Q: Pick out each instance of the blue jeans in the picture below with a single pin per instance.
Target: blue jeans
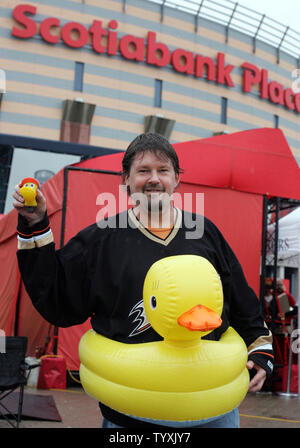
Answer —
(229, 420)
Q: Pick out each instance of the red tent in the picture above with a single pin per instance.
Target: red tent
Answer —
(256, 161)
(232, 171)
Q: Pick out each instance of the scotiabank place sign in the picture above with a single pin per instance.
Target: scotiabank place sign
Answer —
(152, 52)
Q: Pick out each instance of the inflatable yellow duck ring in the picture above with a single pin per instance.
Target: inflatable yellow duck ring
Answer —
(182, 378)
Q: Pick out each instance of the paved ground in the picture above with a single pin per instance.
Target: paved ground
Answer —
(265, 410)
(78, 410)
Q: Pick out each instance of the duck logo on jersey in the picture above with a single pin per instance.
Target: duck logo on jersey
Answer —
(142, 322)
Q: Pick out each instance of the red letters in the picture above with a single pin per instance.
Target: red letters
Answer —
(179, 56)
(297, 102)
(83, 35)
(276, 93)
(29, 24)
(112, 41)
(45, 30)
(251, 76)
(138, 54)
(288, 95)
(273, 91)
(97, 33)
(154, 47)
(264, 91)
(223, 73)
(75, 35)
(210, 70)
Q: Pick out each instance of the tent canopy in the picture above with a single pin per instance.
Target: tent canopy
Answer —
(256, 161)
(288, 238)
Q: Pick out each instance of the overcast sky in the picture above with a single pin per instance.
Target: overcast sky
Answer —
(286, 12)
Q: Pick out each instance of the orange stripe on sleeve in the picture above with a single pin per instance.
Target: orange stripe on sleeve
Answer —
(262, 353)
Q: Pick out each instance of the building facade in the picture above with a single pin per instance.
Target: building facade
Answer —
(101, 72)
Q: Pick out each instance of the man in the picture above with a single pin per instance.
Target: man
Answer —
(100, 272)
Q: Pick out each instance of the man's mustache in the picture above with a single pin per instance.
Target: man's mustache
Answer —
(150, 187)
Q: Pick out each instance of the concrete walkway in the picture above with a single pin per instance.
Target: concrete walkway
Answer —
(78, 410)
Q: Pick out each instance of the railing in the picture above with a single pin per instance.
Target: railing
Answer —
(235, 16)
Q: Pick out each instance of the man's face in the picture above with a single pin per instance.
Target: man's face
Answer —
(153, 176)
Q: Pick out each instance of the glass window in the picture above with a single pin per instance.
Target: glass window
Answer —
(158, 93)
(78, 78)
(224, 103)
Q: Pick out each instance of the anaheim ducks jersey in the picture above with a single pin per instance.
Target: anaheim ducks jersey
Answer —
(99, 274)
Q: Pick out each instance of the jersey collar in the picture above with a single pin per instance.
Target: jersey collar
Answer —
(151, 236)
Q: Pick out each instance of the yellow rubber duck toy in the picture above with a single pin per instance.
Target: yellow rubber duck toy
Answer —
(28, 188)
(181, 378)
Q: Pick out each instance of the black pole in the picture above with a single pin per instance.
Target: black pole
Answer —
(17, 312)
(62, 237)
(64, 207)
(277, 205)
(264, 248)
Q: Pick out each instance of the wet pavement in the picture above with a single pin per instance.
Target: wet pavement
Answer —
(267, 410)
(78, 410)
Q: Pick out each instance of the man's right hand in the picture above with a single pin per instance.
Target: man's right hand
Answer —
(39, 212)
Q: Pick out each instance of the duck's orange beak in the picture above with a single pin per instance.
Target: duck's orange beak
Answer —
(200, 318)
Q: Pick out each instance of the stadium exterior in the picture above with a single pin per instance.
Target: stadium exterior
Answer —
(101, 72)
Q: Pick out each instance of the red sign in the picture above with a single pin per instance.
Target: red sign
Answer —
(76, 35)
(273, 91)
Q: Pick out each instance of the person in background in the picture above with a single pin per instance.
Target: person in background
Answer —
(272, 309)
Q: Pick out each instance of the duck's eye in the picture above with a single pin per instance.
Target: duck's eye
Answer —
(153, 302)
(32, 185)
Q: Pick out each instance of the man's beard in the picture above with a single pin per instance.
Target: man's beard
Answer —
(153, 208)
(155, 204)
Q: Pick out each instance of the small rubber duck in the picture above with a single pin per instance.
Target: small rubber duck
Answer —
(28, 188)
(182, 378)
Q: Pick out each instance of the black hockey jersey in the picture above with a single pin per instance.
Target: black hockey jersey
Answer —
(100, 274)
